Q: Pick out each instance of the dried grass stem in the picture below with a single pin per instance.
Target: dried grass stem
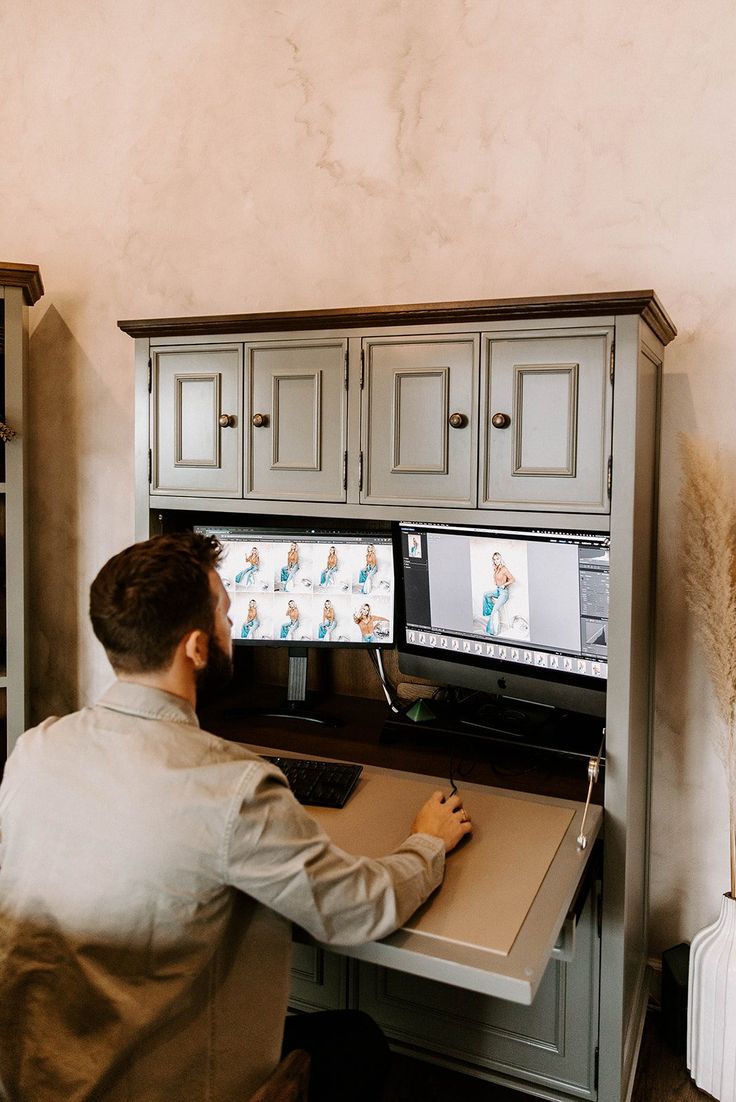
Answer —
(709, 549)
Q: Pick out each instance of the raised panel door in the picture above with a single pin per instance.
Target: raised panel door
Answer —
(296, 420)
(546, 422)
(197, 421)
(318, 978)
(419, 424)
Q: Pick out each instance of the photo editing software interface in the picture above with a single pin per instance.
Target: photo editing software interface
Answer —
(308, 587)
(519, 599)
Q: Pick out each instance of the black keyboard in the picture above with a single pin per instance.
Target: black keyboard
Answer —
(320, 783)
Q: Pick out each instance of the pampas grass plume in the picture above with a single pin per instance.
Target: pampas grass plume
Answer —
(709, 548)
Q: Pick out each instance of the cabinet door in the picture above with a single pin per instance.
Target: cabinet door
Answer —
(546, 422)
(196, 421)
(419, 424)
(318, 978)
(549, 1044)
(296, 420)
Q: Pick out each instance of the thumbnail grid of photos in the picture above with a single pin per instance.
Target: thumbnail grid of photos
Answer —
(295, 591)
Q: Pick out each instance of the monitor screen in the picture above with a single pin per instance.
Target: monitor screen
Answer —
(307, 587)
(517, 610)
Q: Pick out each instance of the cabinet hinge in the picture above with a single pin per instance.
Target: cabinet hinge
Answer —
(360, 471)
(362, 368)
(150, 375)
(611, 362)
(609, 477)
(345, 470)
(596, 1061)
(346, 369)
(150, 466)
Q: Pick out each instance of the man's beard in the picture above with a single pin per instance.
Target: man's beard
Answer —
(216, 675)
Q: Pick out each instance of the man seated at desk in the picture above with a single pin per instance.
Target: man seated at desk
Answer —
(150, 871)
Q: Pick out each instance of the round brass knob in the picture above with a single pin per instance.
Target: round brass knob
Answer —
(226, 420)
(457, 420)
(259, 420)
(500, 420)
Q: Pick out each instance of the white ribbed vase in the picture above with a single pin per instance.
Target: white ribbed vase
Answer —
(711, 1011)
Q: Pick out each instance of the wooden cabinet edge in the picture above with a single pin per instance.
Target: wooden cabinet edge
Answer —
(644, 303)
(26, 276)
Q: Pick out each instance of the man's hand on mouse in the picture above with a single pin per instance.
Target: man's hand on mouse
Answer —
(445, 818)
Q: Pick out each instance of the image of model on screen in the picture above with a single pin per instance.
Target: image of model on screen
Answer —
(368, 624)
(369, 571)
(494, 599)
(291, 623)
(251, 623)
(328, 624)
(327, 577)
(288, 572)
(247, 576)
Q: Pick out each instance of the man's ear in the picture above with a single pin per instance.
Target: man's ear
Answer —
(196, 648)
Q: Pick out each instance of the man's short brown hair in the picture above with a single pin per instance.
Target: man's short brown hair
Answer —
(149, 596)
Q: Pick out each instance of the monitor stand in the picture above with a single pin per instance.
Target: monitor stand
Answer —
(296, 690)
(296, 695)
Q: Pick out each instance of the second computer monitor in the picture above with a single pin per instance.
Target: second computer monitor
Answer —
(515, 611)
(308, 587)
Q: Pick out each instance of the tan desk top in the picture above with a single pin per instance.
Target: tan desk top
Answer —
(492, 925)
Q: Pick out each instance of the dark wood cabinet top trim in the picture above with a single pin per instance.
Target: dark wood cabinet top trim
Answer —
(26, 276)
(479, 312)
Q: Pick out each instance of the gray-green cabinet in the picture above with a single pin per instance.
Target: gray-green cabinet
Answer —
(541, 412)
(196, 437)
(551, 1044)
(319, 980)
(546, 420)
(295, 420)
(444, 421)
(264, 420)
(419, 421)
(20, 287)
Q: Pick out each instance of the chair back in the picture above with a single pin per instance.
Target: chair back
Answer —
(289, 1082)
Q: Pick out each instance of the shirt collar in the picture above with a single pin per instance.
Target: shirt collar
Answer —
(135, 699)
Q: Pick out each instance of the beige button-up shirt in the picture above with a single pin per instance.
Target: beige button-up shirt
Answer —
(149, 874)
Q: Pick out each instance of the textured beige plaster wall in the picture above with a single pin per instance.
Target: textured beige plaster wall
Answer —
(204, 156)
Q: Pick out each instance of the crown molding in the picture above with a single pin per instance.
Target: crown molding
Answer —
(482, 311)
(26, 276)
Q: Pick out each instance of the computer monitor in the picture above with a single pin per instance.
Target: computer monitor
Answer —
(303, 587)
(515, 612)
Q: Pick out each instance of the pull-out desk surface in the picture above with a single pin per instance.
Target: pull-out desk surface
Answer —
(493, 924)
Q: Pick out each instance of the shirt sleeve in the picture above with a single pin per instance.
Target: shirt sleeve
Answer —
(278, 854)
